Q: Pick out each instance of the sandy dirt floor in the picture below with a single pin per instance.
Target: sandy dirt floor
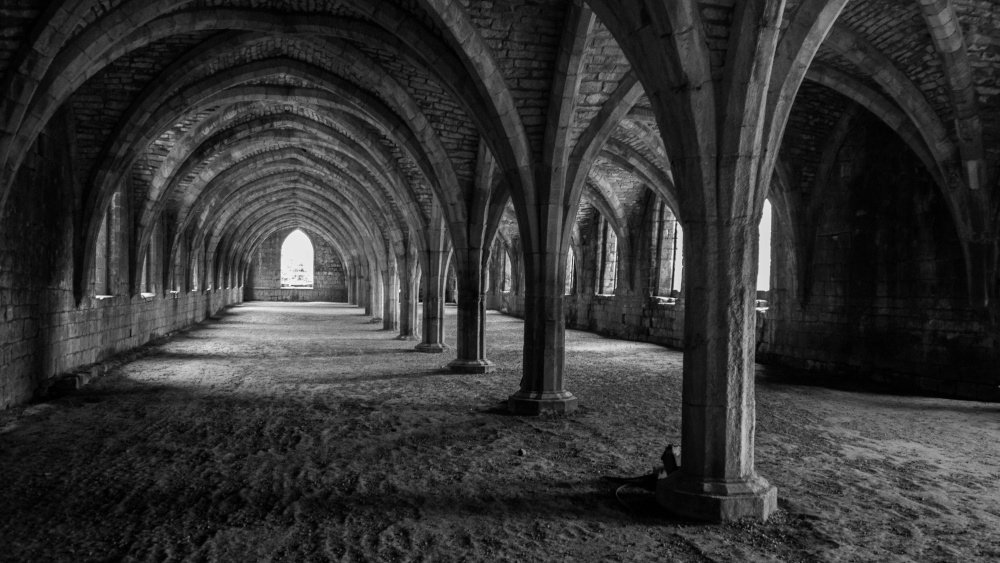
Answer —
(302, 432)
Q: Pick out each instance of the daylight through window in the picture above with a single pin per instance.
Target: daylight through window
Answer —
(297, 261)
(764, 253)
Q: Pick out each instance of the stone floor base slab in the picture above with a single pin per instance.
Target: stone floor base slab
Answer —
(431, 348)
(407, 337)
(471, 366)
(754, 498)
(533, 404)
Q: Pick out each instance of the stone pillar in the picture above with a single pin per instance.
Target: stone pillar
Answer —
(364, 289)
(470, 340)
(493, 295)
(390, 312)
(542, 385)
(717, 480)
(408, 299)
(433, 297)
(728, 116)
(375, 294)
(451, 286)
(352, 285)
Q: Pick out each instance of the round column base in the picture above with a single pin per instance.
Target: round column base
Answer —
(717, 501)
(472, 366)
(435, 348)
(534, 404)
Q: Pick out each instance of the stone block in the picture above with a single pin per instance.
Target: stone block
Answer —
(753, 498)
(534, 404)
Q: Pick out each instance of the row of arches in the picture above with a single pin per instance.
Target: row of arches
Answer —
(407, 134)
(666, 255)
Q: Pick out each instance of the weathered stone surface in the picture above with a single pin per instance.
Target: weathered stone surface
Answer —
(753, 498)
(534, 404)
(599, 165)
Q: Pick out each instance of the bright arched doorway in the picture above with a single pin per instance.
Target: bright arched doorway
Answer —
(297, 261)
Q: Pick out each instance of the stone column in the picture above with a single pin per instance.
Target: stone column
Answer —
(390, 312)
(451, 287)
(717, 480)
(542, 385)
(375, 294)
(352, 285)
(433, 289)
(363, 287)
(470, 343)
(496, 276)
(727, 116)
(408, 299)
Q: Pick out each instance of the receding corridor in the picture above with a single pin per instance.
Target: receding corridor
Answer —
(305, 432)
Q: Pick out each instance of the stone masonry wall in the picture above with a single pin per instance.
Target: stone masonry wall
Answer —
(644, 319)
(43, 331)
(885, 300)
(883, 297)
(632, 317)
(650, 319)
(264, 281)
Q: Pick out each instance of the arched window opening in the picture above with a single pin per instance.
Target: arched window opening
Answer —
(144, 284)
(505, 274)
(570, 271)
(667, 252)
(678, 275)
(608, 279)
(195, 270)
(176, 275)
(764, 254)
(419, 277)
(144, 278)
(101, 259)
(297, 261)
(106, 253)
(152, 265)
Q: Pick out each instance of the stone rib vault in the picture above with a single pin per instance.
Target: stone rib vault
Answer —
(592, 164)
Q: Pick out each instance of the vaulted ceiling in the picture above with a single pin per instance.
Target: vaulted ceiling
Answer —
(373, 122)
